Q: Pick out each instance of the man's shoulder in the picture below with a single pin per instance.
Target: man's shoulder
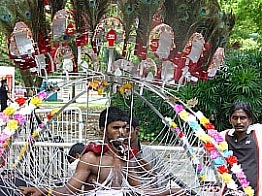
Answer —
(96, 147)
(226, 132)
(89, 155)
(257, 128)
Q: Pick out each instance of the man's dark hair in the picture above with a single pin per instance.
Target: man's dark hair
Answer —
(112, 114)
(244, 106)
(134, 121)
(76, 148)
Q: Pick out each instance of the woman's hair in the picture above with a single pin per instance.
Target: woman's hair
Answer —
(112, 114)
(4, 81)
(244, 106)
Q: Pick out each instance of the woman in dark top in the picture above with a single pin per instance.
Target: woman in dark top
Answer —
(4, 95)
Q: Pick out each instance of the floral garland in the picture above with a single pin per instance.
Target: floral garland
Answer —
(97, 85)
(100, 87)
(199, 169)
(217, 147)
(125, 89)
(13, 117)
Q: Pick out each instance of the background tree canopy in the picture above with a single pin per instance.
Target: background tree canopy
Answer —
(238, 79)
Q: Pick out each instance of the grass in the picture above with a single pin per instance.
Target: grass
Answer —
(82, 106)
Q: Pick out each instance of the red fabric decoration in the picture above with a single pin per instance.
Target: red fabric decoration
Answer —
(140, 50)
(133, 152)
(111, 37)
(124, 50)
(82, 40)
(179, 62)
(43, 44)
(70, 30)
(96, 148)
(154, 44)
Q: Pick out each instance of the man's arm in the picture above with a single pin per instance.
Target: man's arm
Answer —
(74, 184)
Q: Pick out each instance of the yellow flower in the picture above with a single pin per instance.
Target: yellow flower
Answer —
(184, 115)
(9, 111)
(94, 84)
(54, 111)
(22, 151)
(14, 165)
(104, 83)
(5, 144)
(204, 137)
(35, 134)
(203, 177)
(203, 120)
(223, 146)
(12, 124)
(36, 101)
(128, 86)
(122, 90)
(249, 191)
(173, 124)
(99, 91)
(226, 177)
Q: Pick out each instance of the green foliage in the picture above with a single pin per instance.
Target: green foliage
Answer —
(248, 22)
(238, 80)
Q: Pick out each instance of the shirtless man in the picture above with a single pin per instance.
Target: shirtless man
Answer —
(105, 167)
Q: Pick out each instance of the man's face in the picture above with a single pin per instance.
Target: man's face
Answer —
(240, 120)
(116, 130)
(133, 134)
(117, 134)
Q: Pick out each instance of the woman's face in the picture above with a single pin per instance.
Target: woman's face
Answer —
(240, 120)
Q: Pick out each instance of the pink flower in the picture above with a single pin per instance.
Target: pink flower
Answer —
(219, 138)
(215, 135)
(4, 117)
(212, 132)
(214, 154)
(41, 125)
(3, 138)
(30, 139)
(178, 108)
(199, 168)
(42, 95)
(240, 175)
(244, 182)
(1, 151)
(20, 118)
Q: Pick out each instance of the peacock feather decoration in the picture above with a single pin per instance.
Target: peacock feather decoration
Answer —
(128, 15)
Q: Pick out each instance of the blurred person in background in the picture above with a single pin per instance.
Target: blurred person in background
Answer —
(4, 94)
